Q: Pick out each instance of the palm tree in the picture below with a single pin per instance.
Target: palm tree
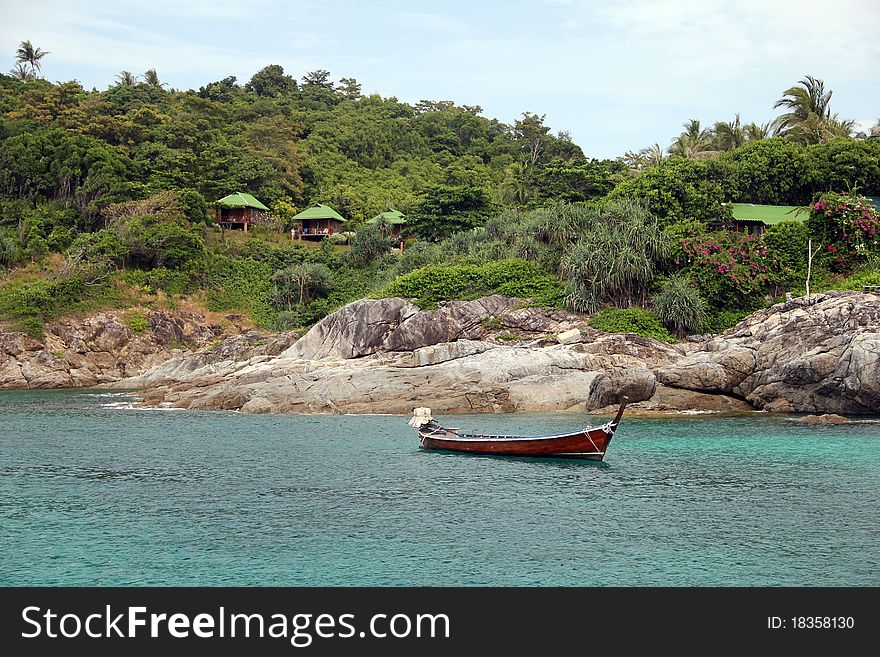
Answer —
(22, 72)
(654, 154)
(694, 142)
(517, 188)
(809, 119)
(875, 131)
(28, 54)
(126, 79)
(151, 78)
(755, 132)
(646, 157)
(730, 134)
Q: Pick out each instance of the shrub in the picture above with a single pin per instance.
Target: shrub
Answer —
(845, 222)
(631, 320)
(787, 244)
(515, 278)
(680, 306)
(721, 320)
(857, 281)
(367, 245)
(615, 259)
(137, 321)
(731, 270)
(167, 280)
(33, 326)
(299, 284)
(44, 299)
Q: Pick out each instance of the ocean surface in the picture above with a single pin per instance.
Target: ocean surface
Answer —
(93, 492)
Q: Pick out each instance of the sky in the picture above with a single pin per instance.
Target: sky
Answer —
(616, 75)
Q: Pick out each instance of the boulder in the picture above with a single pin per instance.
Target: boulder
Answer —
(827, 418)
(816, 355)
(452, 320)
(358, 329)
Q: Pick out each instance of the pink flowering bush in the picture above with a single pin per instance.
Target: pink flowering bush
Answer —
(845, 225)
(731, 270)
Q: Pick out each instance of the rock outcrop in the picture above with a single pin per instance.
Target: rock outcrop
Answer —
(98, 349)
(816, 356)
(386, 355)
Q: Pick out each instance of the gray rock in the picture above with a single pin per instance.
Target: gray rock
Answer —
(452, 320)
(821, 355)
(358, 329)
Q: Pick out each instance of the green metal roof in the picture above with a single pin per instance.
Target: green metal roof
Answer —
(768, 214)
(393, 217)
(320, 211)
(241, 200)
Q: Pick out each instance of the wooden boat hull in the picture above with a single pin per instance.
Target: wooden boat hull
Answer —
(590, 444)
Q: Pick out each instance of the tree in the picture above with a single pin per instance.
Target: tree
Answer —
(300, 283)
(318, 78)
(679, 189)
(809, 119)
(532, 136)
(755, 132)
(680, 306)
(615, 259)
(579, 180)
(730, 134)
(270, 82)
(151, 79)
(518, 186)
(368, 244)
(770, 171)
(126, 79)
(448, 209)
(350, 88)
(22, 72)
(28, 54)
(695, 142)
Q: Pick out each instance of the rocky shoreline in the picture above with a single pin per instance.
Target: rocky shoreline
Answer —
(489, 355)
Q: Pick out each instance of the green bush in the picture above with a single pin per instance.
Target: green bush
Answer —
(680, 306)
(239, 284)
(44, 299)
(857, 281)
(137, 321)
(33, 326)
(367, 245)
(721, 320)
(167, 280)
(514, 278)
(631, 320)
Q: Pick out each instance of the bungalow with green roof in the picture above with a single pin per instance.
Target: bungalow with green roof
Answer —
(755, 219)
(238, 210)
(319, 221)
(392, 220)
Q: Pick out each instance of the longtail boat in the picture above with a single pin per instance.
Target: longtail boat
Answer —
(590, 443)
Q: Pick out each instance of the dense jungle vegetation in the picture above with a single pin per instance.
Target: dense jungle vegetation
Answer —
(104, 199)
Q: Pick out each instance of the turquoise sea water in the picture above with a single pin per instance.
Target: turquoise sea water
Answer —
(94, 494)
